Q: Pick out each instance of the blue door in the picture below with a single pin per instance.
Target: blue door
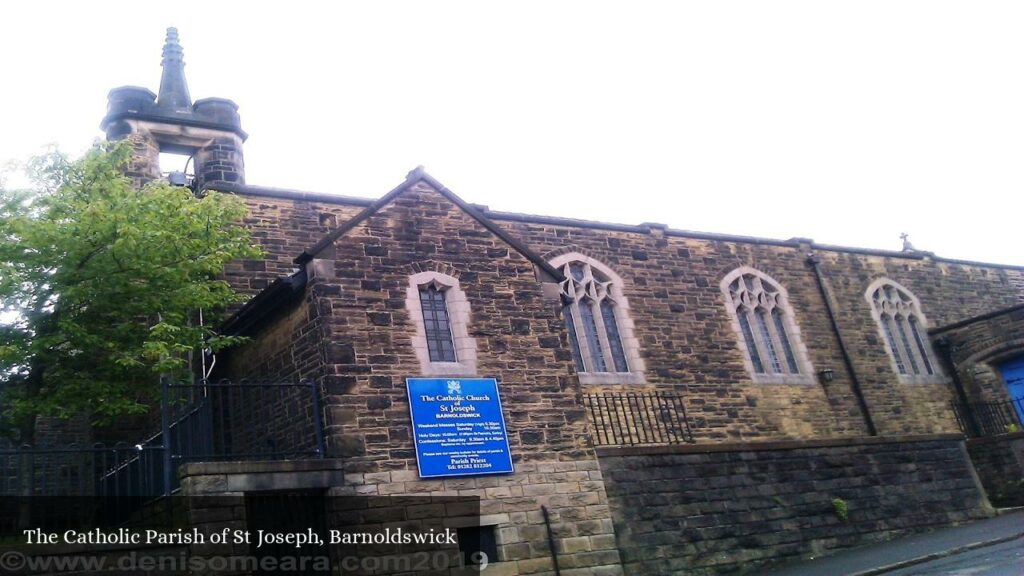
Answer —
(1013, 374)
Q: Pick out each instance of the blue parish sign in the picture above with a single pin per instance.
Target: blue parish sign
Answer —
(458, 427)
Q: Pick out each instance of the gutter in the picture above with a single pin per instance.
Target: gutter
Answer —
(261, 306)
(815, 263)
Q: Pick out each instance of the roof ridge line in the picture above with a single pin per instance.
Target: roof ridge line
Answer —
(416, 175)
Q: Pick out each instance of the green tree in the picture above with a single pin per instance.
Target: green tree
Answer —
(100, 285)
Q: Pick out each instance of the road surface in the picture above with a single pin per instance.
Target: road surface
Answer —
(1006, 559)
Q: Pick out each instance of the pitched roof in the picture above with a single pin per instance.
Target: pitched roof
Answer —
(420, 175)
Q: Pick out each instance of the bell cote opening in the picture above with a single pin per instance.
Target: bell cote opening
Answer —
(198, 144)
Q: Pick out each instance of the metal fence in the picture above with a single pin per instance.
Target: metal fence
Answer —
(100, 484)
(202, 422)
(990, 418)
(637, 418)
(227, 420)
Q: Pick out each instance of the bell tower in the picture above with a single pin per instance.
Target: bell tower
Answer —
(209, 131)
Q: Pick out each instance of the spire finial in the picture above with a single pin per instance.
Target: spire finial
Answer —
(173, 89)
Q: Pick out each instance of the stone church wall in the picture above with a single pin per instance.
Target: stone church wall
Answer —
(355, 314)
(289, 347)
(283, 224)
(250, 409)
(361, 284)
(673, 286)
(672, 281)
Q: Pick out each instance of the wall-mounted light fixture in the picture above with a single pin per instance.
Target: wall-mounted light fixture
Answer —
(827, 374)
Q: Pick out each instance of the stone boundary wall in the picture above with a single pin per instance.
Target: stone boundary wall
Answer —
(999, 461)
(572, 492)
(733, 508)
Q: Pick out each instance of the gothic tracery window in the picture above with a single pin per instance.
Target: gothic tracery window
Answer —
(903, 329)
(768, 334)
(600, 333)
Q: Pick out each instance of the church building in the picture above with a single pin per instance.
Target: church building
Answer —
(672, 402)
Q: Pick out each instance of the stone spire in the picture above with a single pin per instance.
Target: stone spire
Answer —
(173, 89)
(209, 129)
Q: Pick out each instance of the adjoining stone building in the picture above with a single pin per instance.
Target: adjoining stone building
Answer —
(808, 374)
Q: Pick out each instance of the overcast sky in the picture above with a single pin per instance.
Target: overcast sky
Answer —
(845, 122)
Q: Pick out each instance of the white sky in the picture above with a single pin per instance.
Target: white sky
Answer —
(845, 122)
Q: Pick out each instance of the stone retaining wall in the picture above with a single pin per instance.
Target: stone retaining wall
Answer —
(999, 461)
(728, 508)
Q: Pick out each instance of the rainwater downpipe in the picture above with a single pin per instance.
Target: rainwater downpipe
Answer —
(551, 540)
(815, 264)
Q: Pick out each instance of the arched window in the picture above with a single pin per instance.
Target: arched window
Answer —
(767, 332)
(597, 320)
(440, 312)
(904, 330)
(436, 323)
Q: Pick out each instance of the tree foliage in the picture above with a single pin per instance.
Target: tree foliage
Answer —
(100, 285)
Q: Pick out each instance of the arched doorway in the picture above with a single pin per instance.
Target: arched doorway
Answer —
(1013, 374)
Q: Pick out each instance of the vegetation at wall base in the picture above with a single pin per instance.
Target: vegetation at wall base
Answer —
(841, 509)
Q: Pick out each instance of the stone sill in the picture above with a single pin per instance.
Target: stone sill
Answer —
(760, 446)
(258, 467)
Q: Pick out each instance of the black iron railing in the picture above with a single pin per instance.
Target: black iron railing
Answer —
(202, 422)
(990, 418)
(635, 418)
(51, 486)
(96, 470)
(226, 420)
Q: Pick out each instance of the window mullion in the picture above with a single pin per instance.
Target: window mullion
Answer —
(896, 346)
(610, 315)
(747, 338)
(777, 340)
(904, 328)
(574, 340)
(921, 346)
(581, 336)
(762, 352)
(590, 332)
(602, 336)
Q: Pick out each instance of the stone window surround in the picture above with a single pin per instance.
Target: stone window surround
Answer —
(630, 344)
(938, 377)
(796, 341)
(458, 318)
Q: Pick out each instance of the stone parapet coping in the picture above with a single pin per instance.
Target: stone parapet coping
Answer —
(1010, 437)
(258, 467)
(771, 445)
(645, 228)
